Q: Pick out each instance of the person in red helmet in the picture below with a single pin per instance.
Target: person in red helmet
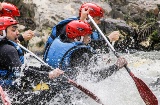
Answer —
(11, 58)
(8, 9)
(97, 13)
(78, 31)
(74, 51)
(87, 8)
(92, 9)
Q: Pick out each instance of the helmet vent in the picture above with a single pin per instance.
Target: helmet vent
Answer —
(80, 29)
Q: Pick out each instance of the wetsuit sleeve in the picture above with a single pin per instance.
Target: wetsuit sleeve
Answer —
(10, 57)
(20, 38)
(106, 72)
(37, 72)
(23, 42)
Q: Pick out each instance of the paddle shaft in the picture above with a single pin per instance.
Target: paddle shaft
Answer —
(146, 94)
(25, 49)
(86, 91)
(80, 87)
(108, 43)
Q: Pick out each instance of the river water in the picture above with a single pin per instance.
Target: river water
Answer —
(120, 89)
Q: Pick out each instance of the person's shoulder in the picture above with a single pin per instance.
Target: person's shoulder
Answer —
(7, 48)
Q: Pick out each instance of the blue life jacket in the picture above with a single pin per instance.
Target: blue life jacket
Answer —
(19, 50)
(57, 28)
(95, 35)
(6, 73)
(59, 54)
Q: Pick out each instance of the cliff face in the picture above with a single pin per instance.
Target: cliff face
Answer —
(140, 16)
(27, 13)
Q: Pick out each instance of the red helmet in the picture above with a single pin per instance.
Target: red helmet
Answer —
(9, 10)
(78, 28)
(6, 21)
(95, 9)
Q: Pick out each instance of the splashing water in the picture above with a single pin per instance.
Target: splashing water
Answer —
(118, 89)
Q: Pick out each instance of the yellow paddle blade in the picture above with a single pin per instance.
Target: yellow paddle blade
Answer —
(41, 86)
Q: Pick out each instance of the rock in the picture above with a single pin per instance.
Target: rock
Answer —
(131, 17)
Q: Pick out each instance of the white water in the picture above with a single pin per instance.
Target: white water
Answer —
(120, 89)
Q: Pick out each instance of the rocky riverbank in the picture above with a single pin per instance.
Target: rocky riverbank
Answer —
(137, 20)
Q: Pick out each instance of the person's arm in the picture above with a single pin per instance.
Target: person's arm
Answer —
(113, 36)
(44, 73)
(82, 60)
(106, 72)
(27, 35)
(11, 61)
(20, 38)
(84, 14)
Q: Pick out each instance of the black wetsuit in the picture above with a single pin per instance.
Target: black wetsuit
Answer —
(8, 56)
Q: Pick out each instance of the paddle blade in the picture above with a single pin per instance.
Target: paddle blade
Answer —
(146, 94)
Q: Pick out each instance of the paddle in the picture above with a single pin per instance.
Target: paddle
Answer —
(80, 87)
(4, 98)
(146, 94)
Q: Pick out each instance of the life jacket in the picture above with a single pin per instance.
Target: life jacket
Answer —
(6, 73)
(59, 54)
(96, 35)
(19, 50)
(56, 30)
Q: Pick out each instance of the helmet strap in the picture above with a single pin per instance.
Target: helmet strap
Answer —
(4, 33)
(75, 39)
(81, 39)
